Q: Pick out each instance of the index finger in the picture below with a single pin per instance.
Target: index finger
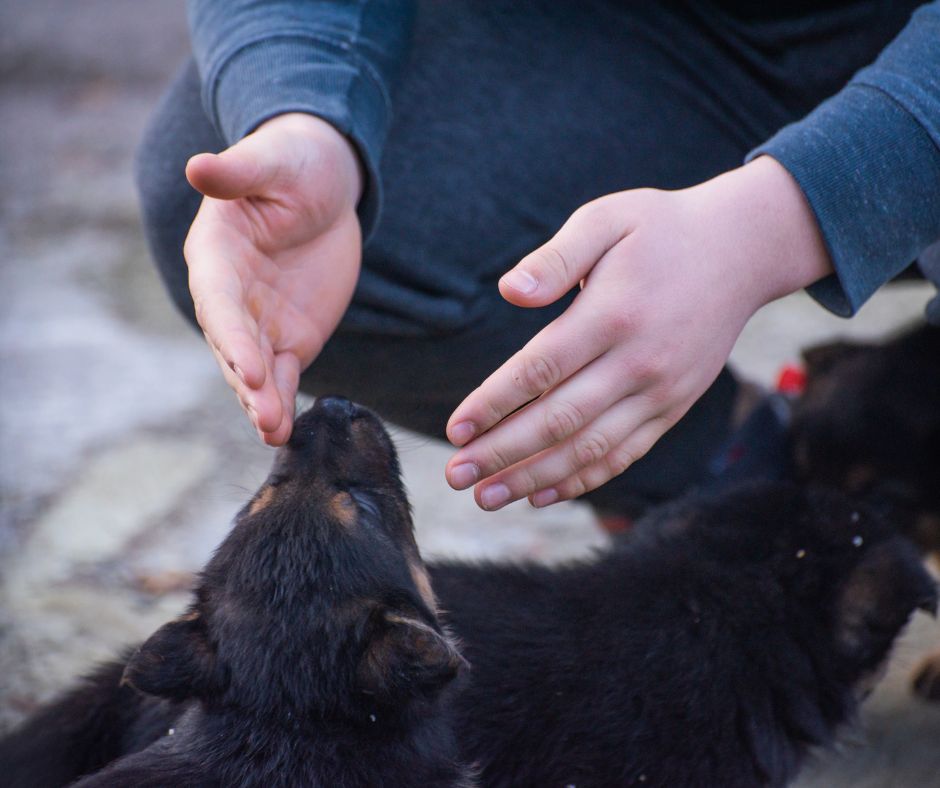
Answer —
(564, 346)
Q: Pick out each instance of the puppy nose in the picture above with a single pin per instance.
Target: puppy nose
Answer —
(336, 409)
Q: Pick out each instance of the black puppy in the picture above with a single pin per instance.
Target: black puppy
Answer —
(310, 656)
(869, 423)
(710, 649)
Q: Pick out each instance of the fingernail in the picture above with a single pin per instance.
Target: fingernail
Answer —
(238, 371)
(519, 280)
(495, 496)
(544, 497)
(462, 476)
(461, 432)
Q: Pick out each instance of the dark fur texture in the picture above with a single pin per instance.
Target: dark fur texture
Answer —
(711, 648)
(869, 424)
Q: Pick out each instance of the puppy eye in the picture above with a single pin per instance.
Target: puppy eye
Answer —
(365, 503)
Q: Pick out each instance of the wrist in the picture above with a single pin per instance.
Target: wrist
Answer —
(776, 237)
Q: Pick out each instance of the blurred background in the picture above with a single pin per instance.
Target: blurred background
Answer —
(123, 455)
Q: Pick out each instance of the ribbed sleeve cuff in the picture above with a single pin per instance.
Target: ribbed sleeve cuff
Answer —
(871, 174)
(291, 73)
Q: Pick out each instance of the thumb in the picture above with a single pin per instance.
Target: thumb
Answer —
(553, 269)
(236, 172)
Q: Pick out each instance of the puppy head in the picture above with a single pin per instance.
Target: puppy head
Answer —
(869, 423)
(317, 605)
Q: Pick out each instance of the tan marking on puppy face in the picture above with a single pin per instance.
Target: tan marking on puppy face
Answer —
(190, 616)
(423, 584)
(262, 499)
(343, 508)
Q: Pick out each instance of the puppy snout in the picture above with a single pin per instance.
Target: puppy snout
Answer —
(328, 416)
(338, 438)
(336, 409)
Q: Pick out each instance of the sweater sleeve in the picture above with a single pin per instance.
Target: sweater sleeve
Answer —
(336, 60)
(868, 161)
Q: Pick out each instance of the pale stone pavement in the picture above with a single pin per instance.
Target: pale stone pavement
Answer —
(122, 454)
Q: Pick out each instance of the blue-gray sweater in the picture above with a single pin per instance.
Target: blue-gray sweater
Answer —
(868, 159)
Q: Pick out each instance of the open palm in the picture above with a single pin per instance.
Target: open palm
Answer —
(273, 256)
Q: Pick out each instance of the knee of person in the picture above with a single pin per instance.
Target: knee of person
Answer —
(166, 198)
(177, 130)
(149, 174)
(168, 205)
(165, 226)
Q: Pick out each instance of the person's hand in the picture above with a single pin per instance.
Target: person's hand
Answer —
(273, 256)
(668, 281)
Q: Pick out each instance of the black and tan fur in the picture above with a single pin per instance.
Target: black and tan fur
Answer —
(714, 646)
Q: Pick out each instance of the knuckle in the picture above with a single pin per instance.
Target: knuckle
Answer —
(493, 413)
(575, 487)
(666, 421)
(527, 481)
(496, 459)
(646, 367)
(620, 459)
(658, 396)
(618, 324)
(484, 408)
(589, 449)
(561, 420)
(536, 375)
(594, 477)
(551, 259)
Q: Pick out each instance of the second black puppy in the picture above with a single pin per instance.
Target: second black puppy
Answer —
(712, 649)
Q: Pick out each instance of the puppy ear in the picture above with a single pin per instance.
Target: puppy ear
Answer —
(406, 657)
(822, 358)
(175, 662)
(877, 600)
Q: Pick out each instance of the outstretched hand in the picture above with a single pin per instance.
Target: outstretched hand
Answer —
(668, 281)
(274, 256)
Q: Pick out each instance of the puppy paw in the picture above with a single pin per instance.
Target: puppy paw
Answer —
(926, 680)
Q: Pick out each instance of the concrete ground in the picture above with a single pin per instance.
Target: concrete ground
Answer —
(122, 454)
